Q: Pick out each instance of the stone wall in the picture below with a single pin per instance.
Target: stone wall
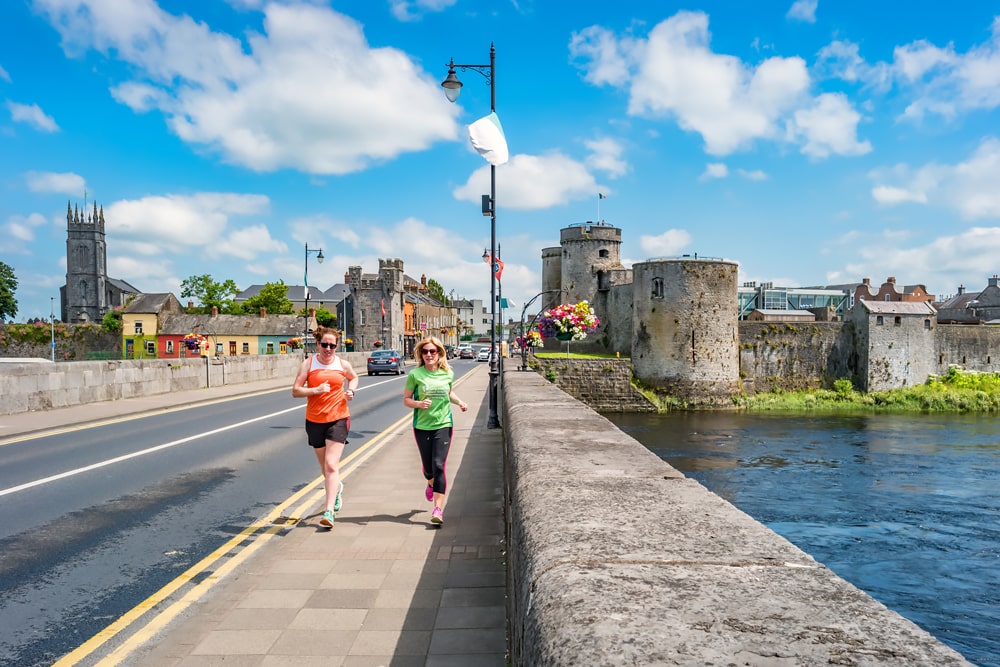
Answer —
(73, 342)
(34, 386)
(795, 356)
(976, 348)
(616, 558)
(603, 384)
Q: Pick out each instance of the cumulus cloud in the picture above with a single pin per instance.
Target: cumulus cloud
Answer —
(32, 114)
(532, 182)
(606, 155)
(411, 10)
(307, 92)
(21, 229)
(803, 10)
(669, 243)
(714, 170)
(187, 223)
(968, 187)
(4, 75)
(673, 74)
(65, 183)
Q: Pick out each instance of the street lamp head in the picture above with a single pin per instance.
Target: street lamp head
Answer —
(486, 255)
(452, 86)
(319, 257)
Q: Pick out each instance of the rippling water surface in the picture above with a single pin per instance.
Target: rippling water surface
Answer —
(906, 508)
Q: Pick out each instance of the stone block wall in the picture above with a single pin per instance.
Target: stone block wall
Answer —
(603, 384)
(795, 356)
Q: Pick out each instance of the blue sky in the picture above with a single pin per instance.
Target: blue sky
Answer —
(814, 142)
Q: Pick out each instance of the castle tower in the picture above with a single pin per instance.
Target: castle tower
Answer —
(85, 297)
(590, 251)
(551, 276)
(685, 329)
(369, 295)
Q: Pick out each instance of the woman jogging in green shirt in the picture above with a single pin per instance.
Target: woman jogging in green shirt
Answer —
(429, 391)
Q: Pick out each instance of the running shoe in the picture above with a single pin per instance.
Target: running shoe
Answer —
(337, 502)
(429, 493)
(327, 519)
(437, 516)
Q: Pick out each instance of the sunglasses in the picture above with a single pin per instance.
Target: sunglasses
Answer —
(328, 346)
(429, 350)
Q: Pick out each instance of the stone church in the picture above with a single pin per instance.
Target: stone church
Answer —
(89, 293)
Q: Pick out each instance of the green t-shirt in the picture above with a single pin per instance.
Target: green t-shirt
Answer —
(437, 387)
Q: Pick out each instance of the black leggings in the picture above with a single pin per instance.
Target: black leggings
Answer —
(434, 446)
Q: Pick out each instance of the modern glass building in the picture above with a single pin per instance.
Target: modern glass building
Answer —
(766, 296)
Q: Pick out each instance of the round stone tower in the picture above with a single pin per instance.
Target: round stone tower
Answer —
(685, 331)
(589, 252)
(551, 276)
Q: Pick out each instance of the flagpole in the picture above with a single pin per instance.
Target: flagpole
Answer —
(598, 208)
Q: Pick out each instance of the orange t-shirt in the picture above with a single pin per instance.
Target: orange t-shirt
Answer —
(331, 406)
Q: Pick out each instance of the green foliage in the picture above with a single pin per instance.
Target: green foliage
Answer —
(325, 318)
(550, 375)
(210, 293)
(8, 285)
(956, 391)
(273, 297)
(112, 321)
(435, 289)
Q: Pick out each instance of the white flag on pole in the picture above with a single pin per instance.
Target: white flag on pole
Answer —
(487, 138)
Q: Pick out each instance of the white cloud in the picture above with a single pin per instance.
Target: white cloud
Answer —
(885, 194)
(22, 230)
(186, 223)
(4, 75)
(803, 10)
(532, 182)
(667, 244)
(752, 175)
(411, 10)
(842, 59)
(829, 127)
(606, 156)
(714, 170)
(307, 93)
(968, 187)
(674, 74)
(46, 181)
(33, 115)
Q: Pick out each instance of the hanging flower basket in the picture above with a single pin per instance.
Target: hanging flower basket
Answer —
(295, 343)
(568, 321)
(193, 341)
(532, 338)
(377, 344)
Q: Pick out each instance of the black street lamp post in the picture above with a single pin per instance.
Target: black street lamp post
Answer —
(305, 289)
(452, 87)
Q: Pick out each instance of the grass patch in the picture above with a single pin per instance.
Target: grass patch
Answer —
(956, 391)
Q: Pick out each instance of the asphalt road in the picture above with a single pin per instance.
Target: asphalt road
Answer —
(95, 520)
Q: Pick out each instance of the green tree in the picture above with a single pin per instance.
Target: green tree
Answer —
(112, 321)
(8, 285)
(273, 297)
(210, 293)
(435, 289)
(324, 317)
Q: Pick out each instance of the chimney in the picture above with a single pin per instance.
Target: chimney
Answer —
(190, 305)
(423, 279)
(263, 312)
(215, 311)
(961, 290)
(891, 280)
(866, 281)
(993, 281)
(347, 277)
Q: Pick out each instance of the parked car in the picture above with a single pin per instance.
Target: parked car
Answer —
(385, 361)
(466, 353)
(484, 354)
(450, 351)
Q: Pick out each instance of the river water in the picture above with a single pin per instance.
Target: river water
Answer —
(907, 508)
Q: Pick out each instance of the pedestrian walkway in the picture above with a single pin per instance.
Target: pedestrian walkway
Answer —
(383, 587)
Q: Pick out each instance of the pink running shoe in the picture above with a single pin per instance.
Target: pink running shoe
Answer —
(429, 493)
(437, 516)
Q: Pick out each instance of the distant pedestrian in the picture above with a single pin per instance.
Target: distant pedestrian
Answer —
(429, 391)
(321, 380)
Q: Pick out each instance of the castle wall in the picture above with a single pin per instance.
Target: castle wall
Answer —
(795, 356)
(974, 348)
(551, 276)
(685, 327)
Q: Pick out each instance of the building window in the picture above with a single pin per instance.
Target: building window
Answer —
(603, 281)
(888, 297)
(927, 325)
(246, 348)
(170, 347)
(361, 317)
(898, 321)
(151, 348)
(879, 321)
(657, 288)
(270, 347)
(603, 253)
(138, 327)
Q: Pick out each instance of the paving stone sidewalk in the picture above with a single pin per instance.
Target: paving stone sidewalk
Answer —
(384, 587)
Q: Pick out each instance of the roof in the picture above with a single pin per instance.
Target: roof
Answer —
(959, 301)
(151, 303)
(898, 307)
(334, 294)
(233, 325)
(124, 286)
(784, 312)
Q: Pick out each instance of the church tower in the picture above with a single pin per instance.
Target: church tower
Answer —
(85, 297)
